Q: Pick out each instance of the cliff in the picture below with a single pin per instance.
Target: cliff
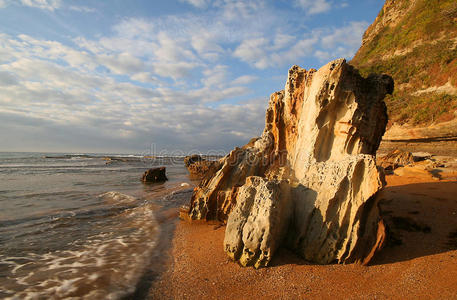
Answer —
(415, 41)
(310, 181)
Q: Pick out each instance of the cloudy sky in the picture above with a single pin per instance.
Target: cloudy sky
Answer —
(122, 75)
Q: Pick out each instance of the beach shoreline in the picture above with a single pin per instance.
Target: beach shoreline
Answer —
(423, 265)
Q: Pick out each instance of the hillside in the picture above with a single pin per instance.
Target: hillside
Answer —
(415, 41)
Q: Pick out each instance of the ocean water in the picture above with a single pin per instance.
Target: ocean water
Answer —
(78, 225)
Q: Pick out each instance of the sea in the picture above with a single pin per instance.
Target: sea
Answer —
(84, 225)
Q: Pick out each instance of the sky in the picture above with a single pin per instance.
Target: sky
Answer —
(143, 76)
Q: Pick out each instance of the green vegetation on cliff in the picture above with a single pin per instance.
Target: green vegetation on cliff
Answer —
(415, 41)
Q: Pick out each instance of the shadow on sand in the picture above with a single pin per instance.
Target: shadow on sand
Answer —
(422, 221)
(421, 217)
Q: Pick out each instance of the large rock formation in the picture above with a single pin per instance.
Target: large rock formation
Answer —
(310, 181)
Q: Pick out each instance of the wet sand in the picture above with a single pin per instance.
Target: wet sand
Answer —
(420, 263)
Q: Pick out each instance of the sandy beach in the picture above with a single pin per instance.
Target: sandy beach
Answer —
(420, 262)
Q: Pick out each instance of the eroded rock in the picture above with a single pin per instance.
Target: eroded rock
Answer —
(259, 221)
(199, 167)
(310, 181)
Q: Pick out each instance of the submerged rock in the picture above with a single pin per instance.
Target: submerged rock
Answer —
(310, 181)
(155, 175)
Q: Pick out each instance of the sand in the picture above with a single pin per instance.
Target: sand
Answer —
(423, 266)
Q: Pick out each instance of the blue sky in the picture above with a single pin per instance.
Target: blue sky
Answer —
(120, 76)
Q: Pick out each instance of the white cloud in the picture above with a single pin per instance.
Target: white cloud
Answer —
(313, 7)
(197, 3)
(43, 4)
(263, 53)
(341, 42)
(323, 43)
(7, 79)
(206, 46)
(50, 5)
(178, 81)
(122, 63)
(245, 79)
(348, 35)
(216, 76)
(83, 9)
(51, 84)
(169, 49)
(174, 70)
(145, 77)
(241, 10)
(322, 55)
(282, 40)
(253, 51)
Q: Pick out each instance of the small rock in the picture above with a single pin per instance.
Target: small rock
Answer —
(155, 175)
(394, 159)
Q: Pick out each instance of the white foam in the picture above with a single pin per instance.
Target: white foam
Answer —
(115, 262)
(114, 197)
(120, 241)
(93, 277)
(67, 287)
(17, 267)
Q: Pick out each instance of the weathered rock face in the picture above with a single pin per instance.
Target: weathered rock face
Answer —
(309, 182)
(155, 175)
(259, 221)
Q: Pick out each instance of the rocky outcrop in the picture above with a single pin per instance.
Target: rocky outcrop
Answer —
(190, 159)
(394, 159)
(155, 175)
(199, 167)
(310, 181)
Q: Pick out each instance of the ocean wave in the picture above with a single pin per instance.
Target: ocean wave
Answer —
(105, 265)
